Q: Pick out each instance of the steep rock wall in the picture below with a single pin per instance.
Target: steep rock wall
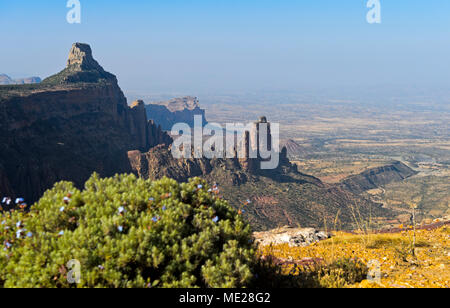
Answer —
(66, 131)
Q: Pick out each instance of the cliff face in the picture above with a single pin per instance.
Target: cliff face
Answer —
(377, 177)
(178, 110)
(72, 124)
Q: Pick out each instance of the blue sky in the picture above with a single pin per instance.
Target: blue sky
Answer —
(194, 45)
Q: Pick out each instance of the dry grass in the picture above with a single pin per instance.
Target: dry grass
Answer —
(373, 241)
(430, 267)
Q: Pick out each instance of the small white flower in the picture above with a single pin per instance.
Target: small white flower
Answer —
(19, 200)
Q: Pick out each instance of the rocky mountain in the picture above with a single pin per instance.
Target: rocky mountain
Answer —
(377, 177)
(6, 80)
(267, 198)
(178, 110)
(70, 125)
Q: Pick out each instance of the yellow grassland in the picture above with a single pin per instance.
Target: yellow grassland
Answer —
(430, 267)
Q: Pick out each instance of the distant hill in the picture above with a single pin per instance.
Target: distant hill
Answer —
(377, 177)
(6, 80)
(268, 198)
(177, 110)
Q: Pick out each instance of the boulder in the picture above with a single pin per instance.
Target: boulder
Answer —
(294, 237)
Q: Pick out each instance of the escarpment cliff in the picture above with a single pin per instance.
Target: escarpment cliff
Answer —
(70, 125)
(376, 177)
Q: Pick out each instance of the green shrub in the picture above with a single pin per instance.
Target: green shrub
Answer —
(168, 235)
(271, 274)
(342, 273)
(338, 274)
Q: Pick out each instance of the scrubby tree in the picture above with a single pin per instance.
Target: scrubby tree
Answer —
(127, 232)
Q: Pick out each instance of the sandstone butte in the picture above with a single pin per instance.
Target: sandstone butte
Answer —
(70, 125)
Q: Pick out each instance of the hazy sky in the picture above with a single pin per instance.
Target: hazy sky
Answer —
(193, 45)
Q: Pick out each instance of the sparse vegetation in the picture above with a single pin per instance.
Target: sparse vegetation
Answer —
(398, 268)
(336, 274)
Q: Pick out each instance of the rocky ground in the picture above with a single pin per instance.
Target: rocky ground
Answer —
(387, 254)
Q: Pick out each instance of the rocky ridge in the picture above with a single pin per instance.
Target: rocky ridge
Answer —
(267, 198)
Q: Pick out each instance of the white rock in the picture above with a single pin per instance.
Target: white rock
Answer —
(293, 237)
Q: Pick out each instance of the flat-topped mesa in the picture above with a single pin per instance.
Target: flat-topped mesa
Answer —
(81, 68)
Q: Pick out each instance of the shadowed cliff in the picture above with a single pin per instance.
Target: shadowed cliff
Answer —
(70, 125)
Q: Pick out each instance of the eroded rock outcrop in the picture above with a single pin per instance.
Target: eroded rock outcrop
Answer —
(72, 124)
(159, 162)
(267, 198)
